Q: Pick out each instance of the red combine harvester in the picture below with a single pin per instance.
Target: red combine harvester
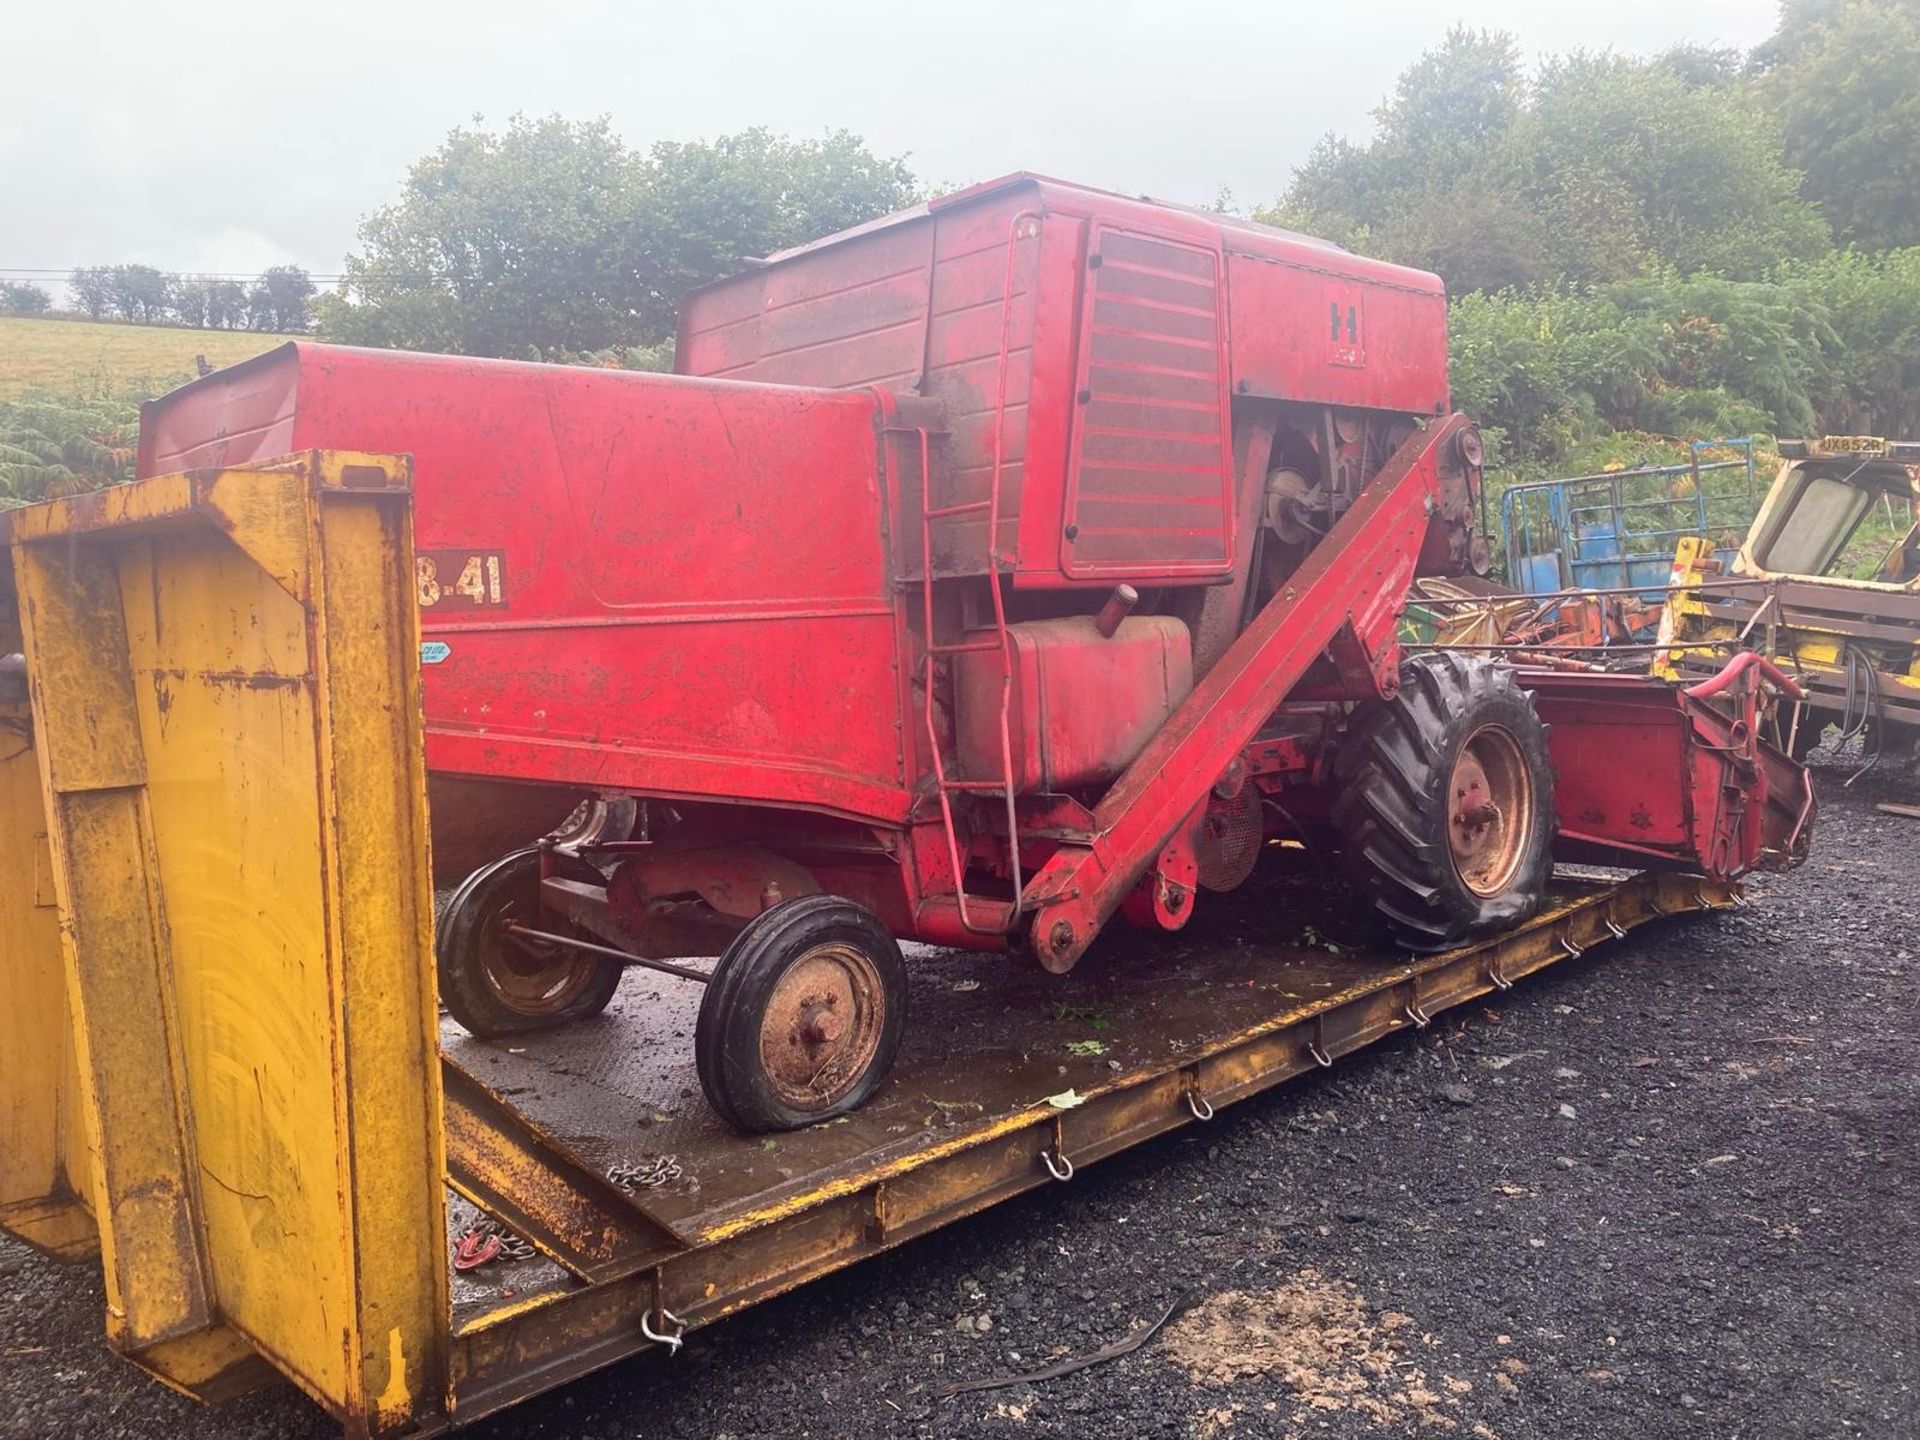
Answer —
(990, 570)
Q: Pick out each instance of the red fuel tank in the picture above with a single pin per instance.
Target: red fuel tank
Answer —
(1083, 704)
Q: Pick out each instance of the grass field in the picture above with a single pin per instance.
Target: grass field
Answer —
(59, 355)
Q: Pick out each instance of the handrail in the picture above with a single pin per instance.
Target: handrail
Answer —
(1738, 666)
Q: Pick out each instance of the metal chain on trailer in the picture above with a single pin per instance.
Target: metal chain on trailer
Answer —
(487, 1240)
(650, 1176)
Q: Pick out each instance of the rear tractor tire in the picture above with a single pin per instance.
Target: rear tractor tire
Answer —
(803, 1017)
(495, 983)
(1444, 807)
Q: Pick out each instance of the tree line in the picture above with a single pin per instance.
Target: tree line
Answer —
(1638, 248)
(18, 297)
(279, 299)
(1697, 243)
(553, 239)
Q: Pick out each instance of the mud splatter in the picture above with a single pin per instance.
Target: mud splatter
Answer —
(1320, 1338)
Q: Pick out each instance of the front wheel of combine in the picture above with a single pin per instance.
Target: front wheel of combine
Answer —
(1445, 802)
(803, 1016)
(496, 983)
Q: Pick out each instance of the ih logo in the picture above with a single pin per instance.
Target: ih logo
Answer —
(460, 579)
(1346, 325)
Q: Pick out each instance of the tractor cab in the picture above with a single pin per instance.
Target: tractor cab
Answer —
(1827, 583)
(1816, 520)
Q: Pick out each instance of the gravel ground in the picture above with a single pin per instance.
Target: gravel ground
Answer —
(1666, 1190)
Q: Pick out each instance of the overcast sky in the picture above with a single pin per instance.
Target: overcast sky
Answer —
(226, 136)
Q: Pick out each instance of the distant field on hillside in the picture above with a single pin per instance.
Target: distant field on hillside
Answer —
(58, 354)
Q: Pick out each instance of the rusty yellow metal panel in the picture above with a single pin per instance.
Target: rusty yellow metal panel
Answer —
(227, 712)
(92, 767)
(374, 798)
(224, 699)
(1691, 630)
(44, 1173)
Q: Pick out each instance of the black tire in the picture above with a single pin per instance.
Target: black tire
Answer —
(492, 983)
(762, 1001)
(1433, 875)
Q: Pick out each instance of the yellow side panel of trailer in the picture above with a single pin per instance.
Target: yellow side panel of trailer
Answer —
(226, 708)
(226, 727)
(45, 1175)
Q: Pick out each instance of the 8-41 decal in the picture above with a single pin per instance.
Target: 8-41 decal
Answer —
(462, 579)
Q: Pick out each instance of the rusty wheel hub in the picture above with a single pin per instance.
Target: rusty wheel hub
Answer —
(821, 1028)
(531, 978)
(1489, 810)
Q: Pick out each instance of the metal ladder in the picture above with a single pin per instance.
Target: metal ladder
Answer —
(945, 786)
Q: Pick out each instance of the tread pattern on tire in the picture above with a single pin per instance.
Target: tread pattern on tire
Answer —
(1391, 773)
(726, 1078)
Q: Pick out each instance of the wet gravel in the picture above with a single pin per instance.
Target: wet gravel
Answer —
(1668, 1190)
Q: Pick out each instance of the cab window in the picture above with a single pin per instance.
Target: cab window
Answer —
(1813, 527)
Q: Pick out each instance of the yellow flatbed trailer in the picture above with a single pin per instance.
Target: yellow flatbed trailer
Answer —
(226, 1074)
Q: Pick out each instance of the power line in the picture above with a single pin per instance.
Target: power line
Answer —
(163, 269)
(28, 272)
(47, 272)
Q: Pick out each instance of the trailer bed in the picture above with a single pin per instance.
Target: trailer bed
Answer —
(1020, 1069)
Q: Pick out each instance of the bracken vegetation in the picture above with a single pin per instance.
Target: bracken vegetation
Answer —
(54, 444)
(1641, 250)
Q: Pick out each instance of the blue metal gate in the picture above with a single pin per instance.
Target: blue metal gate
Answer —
(1617, 530)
